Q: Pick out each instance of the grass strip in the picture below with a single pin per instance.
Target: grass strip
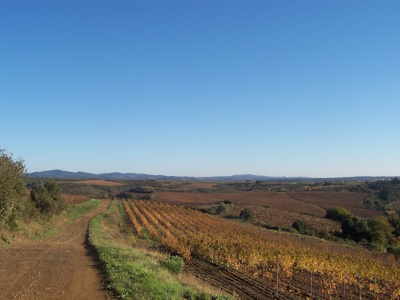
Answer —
(76, 210)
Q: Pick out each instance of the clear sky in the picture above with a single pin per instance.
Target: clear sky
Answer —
(201, 88)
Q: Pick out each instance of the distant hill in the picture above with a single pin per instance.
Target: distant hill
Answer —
(243, 177)
(138, 176)
(104, 176)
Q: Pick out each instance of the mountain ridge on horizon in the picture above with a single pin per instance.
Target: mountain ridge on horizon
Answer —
(60, 174)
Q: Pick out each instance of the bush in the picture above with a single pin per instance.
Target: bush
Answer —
(303, 227)
(380, 231)
(228, 202)
(355, 228)
(338, 213)
(47, 198)
(246, 215)
(395, 223)
(376, 230)
(221, 208)
(12, 187)
(5, 238)
(174, 264)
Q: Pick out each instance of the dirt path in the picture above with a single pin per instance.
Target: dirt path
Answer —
(61, 267)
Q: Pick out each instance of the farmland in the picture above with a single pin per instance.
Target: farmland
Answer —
(265, 257)
(314, 203)
(281, 261)
(283, 219)
(99, 182)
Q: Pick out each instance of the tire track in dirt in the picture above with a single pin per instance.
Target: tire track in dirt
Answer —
(61, 267)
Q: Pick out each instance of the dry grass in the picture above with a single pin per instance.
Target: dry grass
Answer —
(194, 282)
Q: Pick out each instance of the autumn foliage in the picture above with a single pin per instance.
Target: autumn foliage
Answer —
(260, 253)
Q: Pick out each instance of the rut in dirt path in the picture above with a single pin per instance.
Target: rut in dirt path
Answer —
(61, 267)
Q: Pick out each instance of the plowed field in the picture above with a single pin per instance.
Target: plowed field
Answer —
(98, 182)
(314, 203)
(284, 219)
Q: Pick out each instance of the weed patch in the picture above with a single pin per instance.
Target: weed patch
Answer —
(174, 264)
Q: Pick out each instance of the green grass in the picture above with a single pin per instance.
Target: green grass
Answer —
(76, 210)
(44, 233)
(174, 264)
(133, 273)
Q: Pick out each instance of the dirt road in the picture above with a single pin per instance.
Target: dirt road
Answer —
(61, 267)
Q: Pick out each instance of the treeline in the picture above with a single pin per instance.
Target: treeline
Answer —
(378, 232)
(17, 203)
(380, 194)
(129, 189)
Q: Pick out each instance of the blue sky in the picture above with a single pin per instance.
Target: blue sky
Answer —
(199, 88)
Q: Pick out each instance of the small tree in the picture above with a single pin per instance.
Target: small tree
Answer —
(303, 227)
(47, 198)
(221, 208)
(380, 230)
(395, 223)
(54, 191)
(355, 228)
(12, 187)
(42, 199)
(246, 215)
(338, 213)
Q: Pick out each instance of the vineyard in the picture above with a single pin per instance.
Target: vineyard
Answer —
(290, 266)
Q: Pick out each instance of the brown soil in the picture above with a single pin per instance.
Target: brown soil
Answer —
(246, 288)
(98, 182)
(326, 200)
(61, 267)
(229, 281)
